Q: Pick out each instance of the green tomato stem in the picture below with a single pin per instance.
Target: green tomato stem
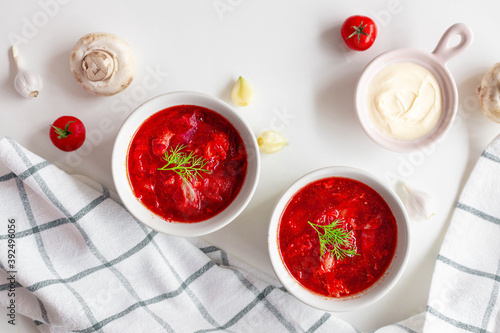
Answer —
(63, 133)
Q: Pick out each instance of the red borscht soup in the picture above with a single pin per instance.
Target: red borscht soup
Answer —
(337, 236)
(186, 163)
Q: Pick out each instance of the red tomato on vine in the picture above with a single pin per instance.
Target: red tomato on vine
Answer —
(359, 32)
(67, 133)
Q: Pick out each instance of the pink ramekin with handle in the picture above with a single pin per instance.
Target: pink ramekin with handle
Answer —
(435, 62)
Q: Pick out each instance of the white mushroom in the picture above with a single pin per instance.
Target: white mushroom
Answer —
(489, 93)
(102, 63)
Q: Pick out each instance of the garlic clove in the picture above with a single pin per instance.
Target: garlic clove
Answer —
(270, 142)
(28, 84)
(419, 204)
(242, 93)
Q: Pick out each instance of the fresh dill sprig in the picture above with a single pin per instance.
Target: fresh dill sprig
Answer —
(188, 166)
(337, 241)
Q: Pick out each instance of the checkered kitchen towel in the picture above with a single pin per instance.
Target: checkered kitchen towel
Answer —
(83, 264)
(464, 295)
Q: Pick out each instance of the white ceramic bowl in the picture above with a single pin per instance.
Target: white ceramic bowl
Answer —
(377, 290)
(120, 175)
(435, 62)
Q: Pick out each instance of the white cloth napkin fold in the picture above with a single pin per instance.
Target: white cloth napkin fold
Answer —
(84, 264)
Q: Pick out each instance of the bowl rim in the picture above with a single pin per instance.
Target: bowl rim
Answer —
(383, 285)
(120, 173)
(449, 95)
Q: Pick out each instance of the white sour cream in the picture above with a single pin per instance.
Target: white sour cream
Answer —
(404, 101)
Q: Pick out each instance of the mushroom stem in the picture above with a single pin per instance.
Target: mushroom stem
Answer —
(98, 65)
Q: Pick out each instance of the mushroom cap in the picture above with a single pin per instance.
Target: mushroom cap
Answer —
(489, 93)
(113, 53)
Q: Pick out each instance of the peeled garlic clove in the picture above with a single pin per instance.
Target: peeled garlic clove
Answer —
(270, 142)
(419, 204)
(27, 84)
(242, 93)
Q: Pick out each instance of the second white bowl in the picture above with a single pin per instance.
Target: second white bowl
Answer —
(377, 290)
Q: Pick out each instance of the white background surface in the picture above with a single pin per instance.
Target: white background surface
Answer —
(304, 80)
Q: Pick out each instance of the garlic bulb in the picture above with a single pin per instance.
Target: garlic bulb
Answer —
(419, 204)
(270, 142)
(28, 84)
(242, 93)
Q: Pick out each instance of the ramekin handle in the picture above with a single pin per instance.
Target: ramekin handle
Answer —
(443, 51)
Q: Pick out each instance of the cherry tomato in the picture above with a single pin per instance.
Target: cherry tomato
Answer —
(67, 133)
(359, 32)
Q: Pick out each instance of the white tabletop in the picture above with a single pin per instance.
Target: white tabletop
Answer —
(304, 78)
